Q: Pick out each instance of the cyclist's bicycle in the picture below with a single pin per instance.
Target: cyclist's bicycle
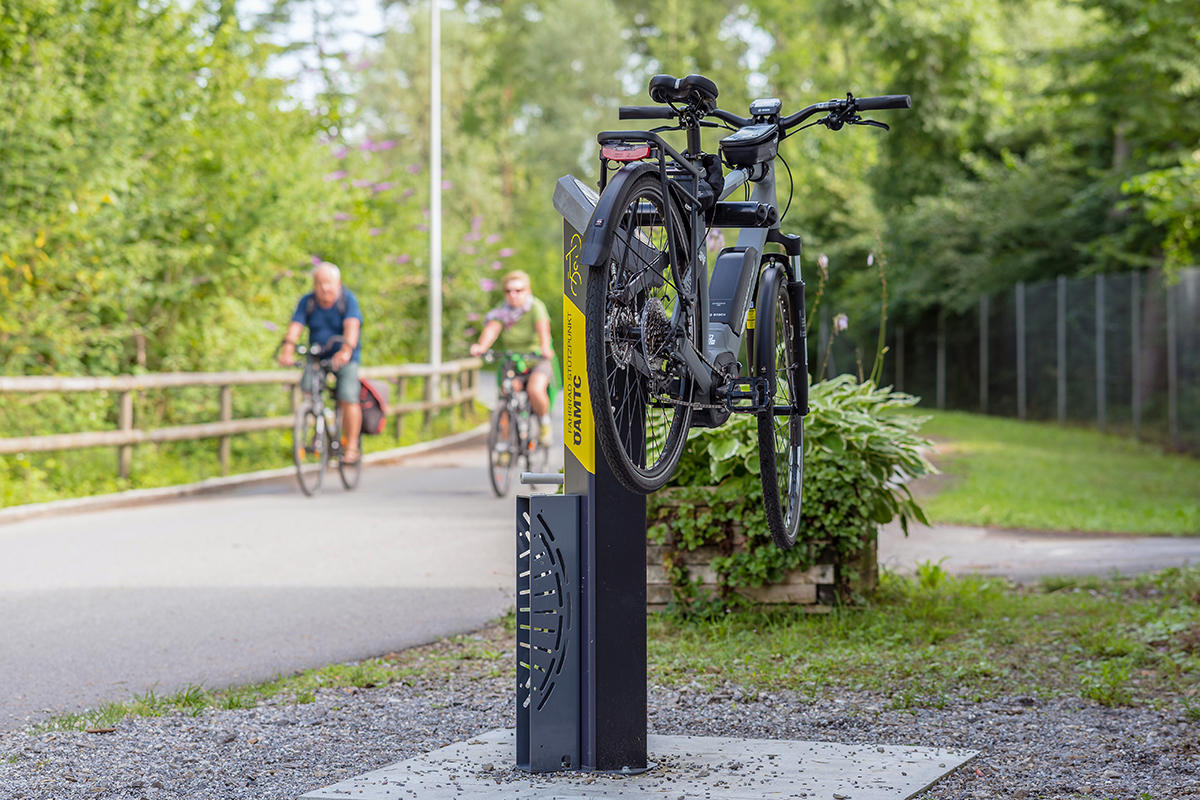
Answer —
(317, 431)
(514, 437)
(663, 337)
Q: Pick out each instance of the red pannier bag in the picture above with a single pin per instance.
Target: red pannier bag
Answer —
(374, 402)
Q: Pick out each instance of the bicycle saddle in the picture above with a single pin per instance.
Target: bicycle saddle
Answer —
(692, 89)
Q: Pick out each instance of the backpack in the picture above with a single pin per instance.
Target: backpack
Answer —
(373, 400)
(311, 305)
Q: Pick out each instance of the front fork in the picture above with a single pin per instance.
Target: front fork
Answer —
(795, 290)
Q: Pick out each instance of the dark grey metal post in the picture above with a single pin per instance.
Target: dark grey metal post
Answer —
(1135, 310)
(983, 353)
(1101, 377)
(1061, 325)
(941, 360)
(1021, 350)
(1172, 367)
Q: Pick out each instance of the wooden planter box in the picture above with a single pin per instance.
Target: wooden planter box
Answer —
(812, 587)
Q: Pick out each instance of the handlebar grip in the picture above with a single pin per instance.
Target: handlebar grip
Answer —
(645, 112)
(885, 101)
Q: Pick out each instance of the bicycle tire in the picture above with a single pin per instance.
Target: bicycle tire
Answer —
(780, 438)
(310, 449)
(634, 378)
(503, 452)
(349, 473)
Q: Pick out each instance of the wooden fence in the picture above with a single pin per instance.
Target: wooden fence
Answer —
(453, 384)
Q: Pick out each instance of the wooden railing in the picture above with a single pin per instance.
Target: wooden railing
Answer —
(453, 384)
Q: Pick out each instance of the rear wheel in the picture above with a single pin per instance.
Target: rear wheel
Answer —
(503, 453)
(780, 436)
(636, 303)
(310, 449)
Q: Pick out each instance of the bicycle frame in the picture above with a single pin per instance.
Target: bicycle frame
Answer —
(723, 294)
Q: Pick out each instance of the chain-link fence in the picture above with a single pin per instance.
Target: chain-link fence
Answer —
(1121, 352)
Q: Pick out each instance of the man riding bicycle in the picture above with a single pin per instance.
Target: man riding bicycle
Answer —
(524, 323)
(331, 310)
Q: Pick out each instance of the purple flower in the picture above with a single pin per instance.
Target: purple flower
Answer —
(375, 231)
(493, 238)
(335, 176)
(471, 236)
(403, 259)
(408, 193)
(386, 144)
(271, 326)
(422, 227)
(715, 239)
(341, 216)
(382, 186)
(472, 316)
(476, 221)
(367, 146)
(469, 332)
(506, 252)
(469, 250)
(447, 185)
(870, 259)
(317, 260)
(496, 265)
(340, 152)
(487, 284)
(841, 322)
(361, 183)
(413, 169)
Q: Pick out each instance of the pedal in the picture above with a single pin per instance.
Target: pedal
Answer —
(748, 395)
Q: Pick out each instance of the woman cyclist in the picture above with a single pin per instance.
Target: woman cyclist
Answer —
(524, 325)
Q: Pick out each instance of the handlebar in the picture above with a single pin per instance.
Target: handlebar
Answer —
(842, 109)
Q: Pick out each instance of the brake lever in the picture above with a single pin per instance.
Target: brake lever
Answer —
(872, 122)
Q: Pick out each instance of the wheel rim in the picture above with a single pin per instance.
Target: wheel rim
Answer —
(789, 430)
(645, 385)
(502, 451)
(309, 452)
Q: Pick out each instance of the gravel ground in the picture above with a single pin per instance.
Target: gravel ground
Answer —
(1029, 747)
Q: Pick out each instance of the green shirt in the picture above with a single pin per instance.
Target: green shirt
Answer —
(522, 336)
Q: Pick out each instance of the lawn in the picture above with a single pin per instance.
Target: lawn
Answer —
(1040, 476)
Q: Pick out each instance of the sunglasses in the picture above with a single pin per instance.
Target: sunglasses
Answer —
(514, 291)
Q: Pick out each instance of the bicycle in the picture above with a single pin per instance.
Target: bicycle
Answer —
(663, 338)
(317, 429)
(514, 434)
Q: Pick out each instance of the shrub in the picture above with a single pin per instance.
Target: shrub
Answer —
(859, 453)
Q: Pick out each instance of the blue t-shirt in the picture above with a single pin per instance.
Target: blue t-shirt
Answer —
(325, 323)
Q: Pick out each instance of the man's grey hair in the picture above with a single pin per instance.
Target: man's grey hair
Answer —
(328, 266)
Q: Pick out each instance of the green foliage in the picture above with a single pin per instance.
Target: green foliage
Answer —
(859, 452)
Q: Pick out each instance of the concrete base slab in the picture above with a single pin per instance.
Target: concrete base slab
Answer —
(714, 768)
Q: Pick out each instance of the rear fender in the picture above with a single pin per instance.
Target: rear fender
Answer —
(597, 245)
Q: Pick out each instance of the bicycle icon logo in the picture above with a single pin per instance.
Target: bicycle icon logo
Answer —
(574, 277)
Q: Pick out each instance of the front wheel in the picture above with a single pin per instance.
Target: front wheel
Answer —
(503, 444)
(310, 448)
(638, 303)
(781, 423)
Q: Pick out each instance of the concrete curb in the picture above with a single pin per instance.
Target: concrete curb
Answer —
(210, 485)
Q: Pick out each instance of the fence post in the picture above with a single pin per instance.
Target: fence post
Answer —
(125, 423)
(1172, 367)
(1135, 310)
(941, 360)
(1101, 378)
(983, 353)
(1061, 325)
(399, 399)
(226, 416)
(431, 393)
(1021, 350)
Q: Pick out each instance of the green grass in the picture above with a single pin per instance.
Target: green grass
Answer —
(924, 640)
(472, 656)
(1041, 476)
